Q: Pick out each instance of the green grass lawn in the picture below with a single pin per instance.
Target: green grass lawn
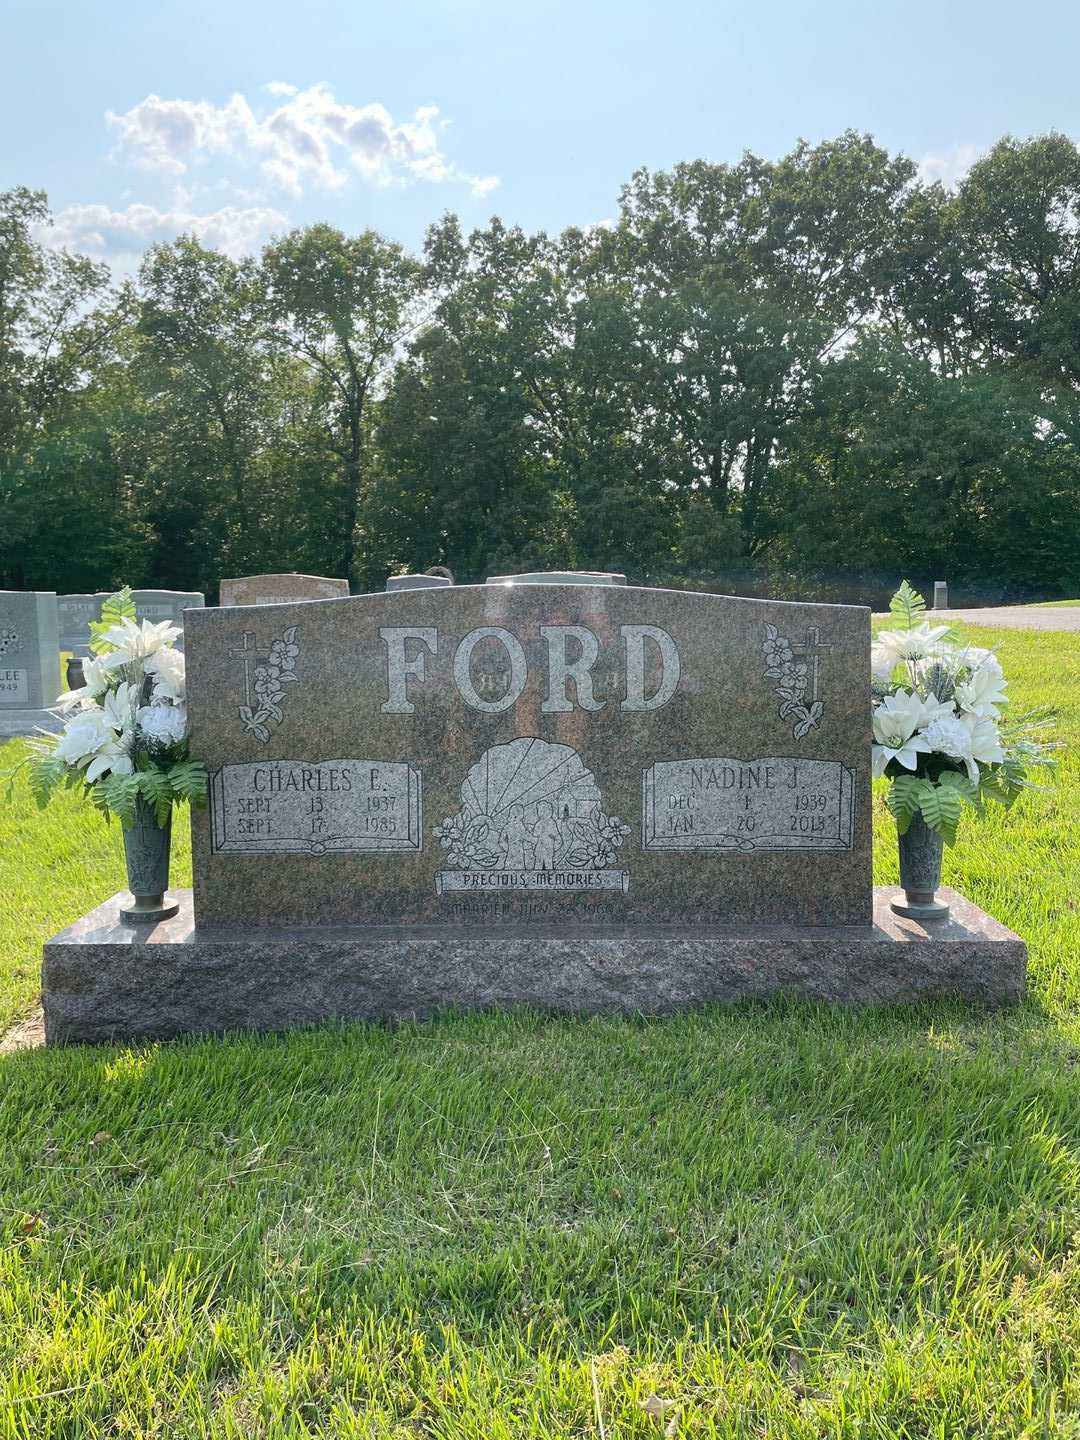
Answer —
(775, 1220)
(1049, 604)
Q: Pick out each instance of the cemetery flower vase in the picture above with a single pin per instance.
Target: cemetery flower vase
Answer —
(146, 850)
(920, 872)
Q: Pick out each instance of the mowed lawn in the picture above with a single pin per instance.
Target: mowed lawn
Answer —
(758, 1222)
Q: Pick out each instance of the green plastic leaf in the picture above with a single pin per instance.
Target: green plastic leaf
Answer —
(902, 799)
(941, 807)
(1004, 782)
(907, 607)
(188, 781)
(116, 795)
(970, 794)
(46, 772)
(156, 790)
(116, 608)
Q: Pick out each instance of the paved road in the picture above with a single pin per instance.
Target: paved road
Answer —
(1017, 617)
(1012, 617)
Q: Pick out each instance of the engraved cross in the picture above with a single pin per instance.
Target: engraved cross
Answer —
(811, 649)
(248, 653)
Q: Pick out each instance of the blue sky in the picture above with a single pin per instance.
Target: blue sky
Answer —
(237, 119)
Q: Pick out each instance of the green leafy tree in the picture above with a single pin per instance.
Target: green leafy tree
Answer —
(342, 306)
(58, 325)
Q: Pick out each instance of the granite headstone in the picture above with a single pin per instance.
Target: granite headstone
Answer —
(560, 577)
(280, 589)
(29, 661)
(581, 797)
(170, 605)
(417, 582)
(77, 611)
(492, 754)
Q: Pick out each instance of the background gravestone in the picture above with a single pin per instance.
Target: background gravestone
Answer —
(76, 612)
(560, 577)
(159, 605)
(570, 754)
(417, 582)
(278, 589)
(29, 660)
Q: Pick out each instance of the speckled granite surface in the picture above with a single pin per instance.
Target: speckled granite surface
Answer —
(103, 980)
(499, 754)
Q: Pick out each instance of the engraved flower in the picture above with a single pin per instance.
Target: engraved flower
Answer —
(283, 653)
(776, 649)
(265, 684)
(467, 842)
(449, 832)
(610, 836)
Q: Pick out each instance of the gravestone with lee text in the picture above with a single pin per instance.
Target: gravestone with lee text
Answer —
(29, 661)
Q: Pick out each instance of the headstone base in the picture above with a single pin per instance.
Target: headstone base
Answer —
(105, 980)
(27, 722)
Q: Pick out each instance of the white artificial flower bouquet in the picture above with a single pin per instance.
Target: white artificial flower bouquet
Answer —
(125, 736)
(940, 734)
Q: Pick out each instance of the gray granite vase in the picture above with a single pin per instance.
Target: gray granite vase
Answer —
(146, 850)
(920, 872)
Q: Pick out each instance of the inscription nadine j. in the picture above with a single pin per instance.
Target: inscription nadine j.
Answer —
(778, 803)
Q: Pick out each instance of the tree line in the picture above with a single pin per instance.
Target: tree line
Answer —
(800, 375)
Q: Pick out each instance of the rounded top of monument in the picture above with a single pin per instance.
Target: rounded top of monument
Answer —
(417, 582)
(559, 577)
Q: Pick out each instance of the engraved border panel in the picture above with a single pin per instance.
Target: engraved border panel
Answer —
(224, 840)
(820, 775)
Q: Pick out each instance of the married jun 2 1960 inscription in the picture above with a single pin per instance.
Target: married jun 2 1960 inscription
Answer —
(537, 745)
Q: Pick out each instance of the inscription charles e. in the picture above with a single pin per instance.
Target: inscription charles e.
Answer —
(358, 806)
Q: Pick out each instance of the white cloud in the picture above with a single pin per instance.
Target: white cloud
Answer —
(165, 134)
(100, 230)
(950, 166)
(310, 137)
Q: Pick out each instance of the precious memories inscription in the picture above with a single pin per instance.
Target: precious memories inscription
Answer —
(531, 818)
(533, 752)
